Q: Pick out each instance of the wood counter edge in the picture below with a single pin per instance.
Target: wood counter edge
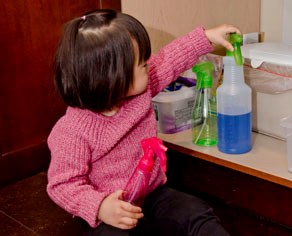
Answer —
(230, 165)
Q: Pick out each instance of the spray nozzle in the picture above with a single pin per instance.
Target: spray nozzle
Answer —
(236, 41)
(155, 145)
(204, 72)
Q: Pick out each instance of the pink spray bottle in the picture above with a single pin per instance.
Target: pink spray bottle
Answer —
(137, 186)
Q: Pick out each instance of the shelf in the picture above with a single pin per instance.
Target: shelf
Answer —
(267, 159)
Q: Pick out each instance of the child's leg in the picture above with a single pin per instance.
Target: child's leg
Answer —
(178, 213)
(143, 228)
(102, 230)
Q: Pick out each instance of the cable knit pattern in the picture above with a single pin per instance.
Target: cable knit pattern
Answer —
(93, 155)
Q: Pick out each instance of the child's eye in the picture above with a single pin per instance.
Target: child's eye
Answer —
(145, 65)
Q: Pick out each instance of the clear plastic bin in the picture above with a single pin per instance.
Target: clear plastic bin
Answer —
(286, 123)
(173, 110)
(268, 70)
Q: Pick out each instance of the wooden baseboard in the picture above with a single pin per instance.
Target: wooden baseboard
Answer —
(23, 163)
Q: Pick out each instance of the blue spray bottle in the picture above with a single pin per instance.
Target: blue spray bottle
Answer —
(234, 104)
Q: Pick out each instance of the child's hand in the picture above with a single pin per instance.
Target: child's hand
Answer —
(218, 34)
(118, 213)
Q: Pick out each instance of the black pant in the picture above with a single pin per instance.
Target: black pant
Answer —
(168, 212)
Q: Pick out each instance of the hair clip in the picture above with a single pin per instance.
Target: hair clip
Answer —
(83, 17)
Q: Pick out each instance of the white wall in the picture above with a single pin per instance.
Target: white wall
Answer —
(287, 22)
(271, 20)
(276, 20)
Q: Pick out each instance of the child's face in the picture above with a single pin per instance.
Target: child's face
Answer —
(140, 79)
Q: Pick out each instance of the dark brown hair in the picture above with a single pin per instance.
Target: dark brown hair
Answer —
(95, 59)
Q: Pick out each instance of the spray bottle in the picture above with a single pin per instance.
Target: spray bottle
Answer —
(204, 115)
(137, 186)
(234, 104)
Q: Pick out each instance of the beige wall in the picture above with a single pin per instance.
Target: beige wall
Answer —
(168, 19)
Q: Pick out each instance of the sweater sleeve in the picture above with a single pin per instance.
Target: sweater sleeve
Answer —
(68, 185)
(176, 57)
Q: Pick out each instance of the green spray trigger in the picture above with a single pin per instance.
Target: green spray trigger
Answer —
(204, 72)
(236, 41)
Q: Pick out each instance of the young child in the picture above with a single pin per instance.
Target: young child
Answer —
(107, 77)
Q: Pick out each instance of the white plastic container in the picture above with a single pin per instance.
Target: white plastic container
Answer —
(173, 109)
(268, 71)
(286, 123)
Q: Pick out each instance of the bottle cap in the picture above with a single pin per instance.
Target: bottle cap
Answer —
(204, 71)
(236, 41)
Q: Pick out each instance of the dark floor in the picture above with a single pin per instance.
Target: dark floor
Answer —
(26, 210)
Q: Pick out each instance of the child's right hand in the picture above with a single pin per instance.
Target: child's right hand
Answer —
(118, 213)
(218, 35)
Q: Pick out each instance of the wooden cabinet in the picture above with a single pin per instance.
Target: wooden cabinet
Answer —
(245, 204)
(251, 192)
(30, 31)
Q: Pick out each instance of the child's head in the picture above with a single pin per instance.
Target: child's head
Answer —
(95, 59)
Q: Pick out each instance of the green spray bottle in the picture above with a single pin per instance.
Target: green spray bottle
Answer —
(204, 115)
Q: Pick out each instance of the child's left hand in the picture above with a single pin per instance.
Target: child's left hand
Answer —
(218, 34)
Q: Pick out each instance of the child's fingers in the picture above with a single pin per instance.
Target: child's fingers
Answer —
(130, 211)
(231, 29)
(130, 208)
(227, 45)
(127, 223)
(132, 215)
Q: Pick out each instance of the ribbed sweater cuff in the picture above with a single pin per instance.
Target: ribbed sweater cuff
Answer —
(200, 41)
(91, 208)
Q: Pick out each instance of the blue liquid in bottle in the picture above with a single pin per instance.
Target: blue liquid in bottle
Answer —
(234, 133)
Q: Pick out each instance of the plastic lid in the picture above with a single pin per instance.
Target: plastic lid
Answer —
(236, 41)
(276, 53)
(204, 71)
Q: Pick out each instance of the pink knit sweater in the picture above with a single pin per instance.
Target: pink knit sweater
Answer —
(93, 155)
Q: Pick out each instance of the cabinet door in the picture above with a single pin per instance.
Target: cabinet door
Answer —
(30, 31)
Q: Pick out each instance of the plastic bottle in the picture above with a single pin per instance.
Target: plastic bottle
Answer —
(137, 186)
(234, 106)
(204, 115)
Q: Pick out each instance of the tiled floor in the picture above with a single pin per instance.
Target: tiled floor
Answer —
(26, 210)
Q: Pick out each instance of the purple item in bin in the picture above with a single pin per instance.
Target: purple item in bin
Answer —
(168, 126)
(186, 81)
